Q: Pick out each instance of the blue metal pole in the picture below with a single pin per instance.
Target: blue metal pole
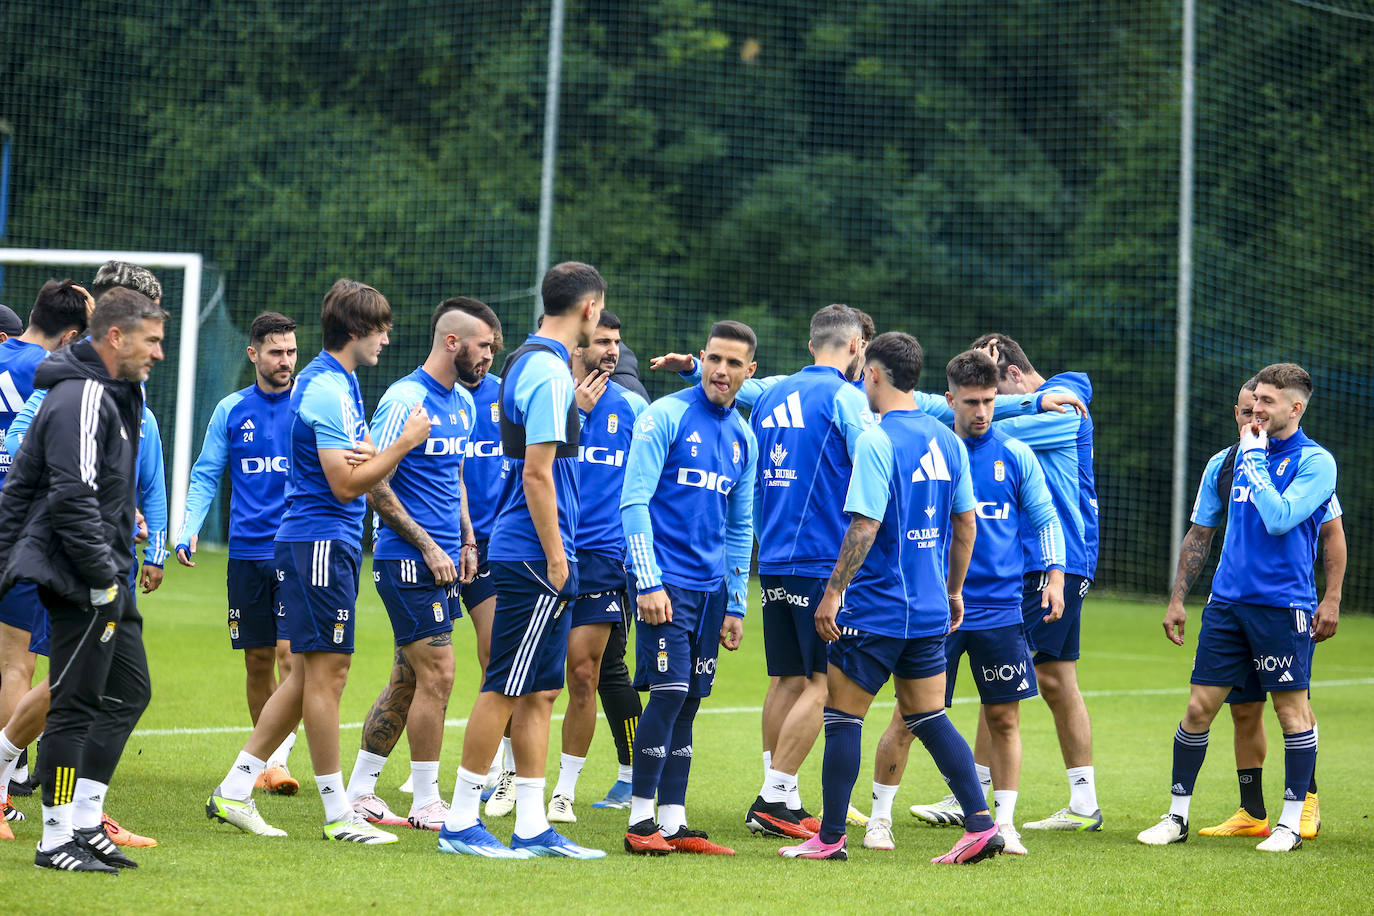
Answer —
(4, 187)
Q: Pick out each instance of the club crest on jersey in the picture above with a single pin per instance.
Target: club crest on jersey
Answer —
(1283, 466)
(438, 612)
(462, 412)
(999, 471)
(109, 632)
(736, 451)
(495, 412)
(612, 423)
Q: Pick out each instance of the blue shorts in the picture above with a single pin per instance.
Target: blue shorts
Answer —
(255, 613)
(1000, 660)
(1252, 692)
(482, 587)
(1238, 640)
(601, 587)
(682, 653)
(791, 644)
(529, 630)
(869, 660)
(1057, 641)
(22, 609)
(417, 606)
(319, 593)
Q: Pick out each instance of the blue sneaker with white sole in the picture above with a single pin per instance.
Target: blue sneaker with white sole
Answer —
(618, 797)
(477, 840)
(553, 844)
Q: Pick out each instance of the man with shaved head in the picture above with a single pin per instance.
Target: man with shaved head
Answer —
(424, 550)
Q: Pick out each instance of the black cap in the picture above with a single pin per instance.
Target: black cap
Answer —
(9, 322)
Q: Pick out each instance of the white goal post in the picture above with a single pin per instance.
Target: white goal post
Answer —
(191, 266)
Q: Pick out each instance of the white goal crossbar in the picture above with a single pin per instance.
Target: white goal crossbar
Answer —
(191, 266)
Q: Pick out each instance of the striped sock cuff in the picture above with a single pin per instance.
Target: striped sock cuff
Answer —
(916, 721)
(1301, 741)
(833, 716)
(1191, 739)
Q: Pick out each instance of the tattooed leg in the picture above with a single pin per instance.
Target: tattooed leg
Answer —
(388, 715)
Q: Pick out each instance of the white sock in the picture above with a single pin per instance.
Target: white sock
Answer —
(984, 776)
(794, 799)
(88, 801)
(1178, 804)
(57, 826)
(1292, 814)
(336, 800)
(767, 762)
(882, 800)
(641, 809)
(467, 799)
(625, 772)
(507, 756)
(238, 784)
(283, 751)
(424, 783)
(9, 758)
(778, 786)
(569, 768)
(1004, 806)
(8, 752)
(530, 820)
(366, 771)
(18, 773)
(1082, 790)
(671, 819)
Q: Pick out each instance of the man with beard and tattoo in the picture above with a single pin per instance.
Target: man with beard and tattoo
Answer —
(599, 614)
(424, 549)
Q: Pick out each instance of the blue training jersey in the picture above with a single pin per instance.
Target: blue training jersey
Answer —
(18, 360)
(911, 473)
(1009, 489)
(688, 500)
(807, 427)
(326, 413)
(428, 480)
(1278, 502)
(536, 394)
(482, 468)
(1063, 444)
(250, 435)
(605, 442)
(152, 480)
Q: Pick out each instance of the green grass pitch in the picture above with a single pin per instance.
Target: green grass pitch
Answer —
(1135, 684)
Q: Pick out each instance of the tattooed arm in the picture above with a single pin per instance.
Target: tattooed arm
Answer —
(383, 501)
(1192, 555)
(857, 541)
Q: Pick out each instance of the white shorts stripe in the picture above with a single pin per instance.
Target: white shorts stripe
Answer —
(529, 644)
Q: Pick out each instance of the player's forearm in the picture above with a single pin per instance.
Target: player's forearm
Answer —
(858, 540)
(383, 501)
(639, 546)
(963, 528)
(349, 482)
(1333, 560)
(464, 519)
(1192, 556)
(541, 496)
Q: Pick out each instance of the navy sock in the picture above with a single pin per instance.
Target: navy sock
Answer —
(1312, 786)
(839, 770)
(954, 760)
(1190, 749)
(672, 787)
(1299, 760)
(651, 739)
(1252, 791)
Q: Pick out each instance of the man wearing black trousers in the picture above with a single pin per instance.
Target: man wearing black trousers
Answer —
(66, 515)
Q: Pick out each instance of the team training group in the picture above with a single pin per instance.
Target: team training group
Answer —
(897, 532)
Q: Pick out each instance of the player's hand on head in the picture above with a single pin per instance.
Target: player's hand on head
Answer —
(590, 390)
(731, 632)
(673, 362)
(655, 608)
(416, 429)
(1174, 619)
(441, 566)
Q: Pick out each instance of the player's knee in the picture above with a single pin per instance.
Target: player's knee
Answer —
(1248, 717)
(1003, 719)
(1199, 715)
(1293, 716)
(583, 676)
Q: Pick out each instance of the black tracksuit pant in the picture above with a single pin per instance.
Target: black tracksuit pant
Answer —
(619, 699)
(98, 677)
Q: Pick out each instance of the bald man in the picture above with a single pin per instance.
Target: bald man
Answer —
(424, 550)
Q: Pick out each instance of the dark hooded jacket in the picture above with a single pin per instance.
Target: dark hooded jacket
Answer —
(68, 502)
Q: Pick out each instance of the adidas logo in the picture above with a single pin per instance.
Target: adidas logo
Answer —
(694, 437)
(248, 424)
(52, 821)
(1178, 789)
(933, 465)
(1286, 678)
(1288, 795)
(375, 775)
(779, 786)
(244, 768)
(10, 398)
(683, 752)
(1080, 781)
(326, 790)
(787, 415)
(1025, 685)
(659, 752)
